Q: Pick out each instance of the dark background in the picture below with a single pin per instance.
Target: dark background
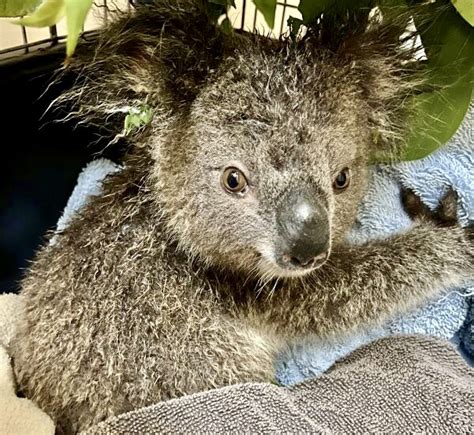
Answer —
(40, 159)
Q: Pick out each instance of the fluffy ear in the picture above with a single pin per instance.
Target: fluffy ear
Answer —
(379, 47)
(386, 57)
(159, 55)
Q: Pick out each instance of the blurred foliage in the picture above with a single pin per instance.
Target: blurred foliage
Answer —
(17, 8)
(267, 8)
(448, 41)
(466, 9)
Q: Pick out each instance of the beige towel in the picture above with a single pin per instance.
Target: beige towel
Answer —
(11, 310)
(407, 384)
(17, 416)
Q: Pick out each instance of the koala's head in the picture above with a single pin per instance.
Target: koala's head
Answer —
(260, 149)
(266, 168)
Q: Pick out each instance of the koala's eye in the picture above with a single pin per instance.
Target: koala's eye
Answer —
(234, 181)
(342, 181)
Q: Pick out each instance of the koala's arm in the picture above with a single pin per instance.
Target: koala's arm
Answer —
(363, 285)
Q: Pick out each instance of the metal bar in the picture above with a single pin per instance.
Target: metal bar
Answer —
(254, 26)
(55, 39)
(106, 13)
(287, 5)
(43, 42)
(244, 6)
(283, 17)
(53, 31)
(25, 38)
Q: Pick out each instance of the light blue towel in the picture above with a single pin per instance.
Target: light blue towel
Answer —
(380, 215)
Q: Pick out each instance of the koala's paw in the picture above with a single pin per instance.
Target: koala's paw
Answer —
(445, 213)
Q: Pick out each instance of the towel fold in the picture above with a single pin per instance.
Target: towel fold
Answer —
(405, 384)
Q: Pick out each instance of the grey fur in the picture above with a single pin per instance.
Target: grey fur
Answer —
(167, 285)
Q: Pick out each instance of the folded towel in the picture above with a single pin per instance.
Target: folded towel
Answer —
(372, 390)
(11, 311)
(381, 214)
(17, 416)
(405, 384)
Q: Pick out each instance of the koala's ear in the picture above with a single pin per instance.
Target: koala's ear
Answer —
(389, 76)
(379, 50)
(160, 55)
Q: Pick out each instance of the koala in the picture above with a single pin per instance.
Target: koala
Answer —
(223, 238)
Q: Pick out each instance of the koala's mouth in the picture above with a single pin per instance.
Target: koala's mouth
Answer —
(285, 266)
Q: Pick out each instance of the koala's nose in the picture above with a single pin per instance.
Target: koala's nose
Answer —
(303, 224)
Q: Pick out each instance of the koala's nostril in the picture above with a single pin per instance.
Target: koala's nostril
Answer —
(301, 262)
(298, 261)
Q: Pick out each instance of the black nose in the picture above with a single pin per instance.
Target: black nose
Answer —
(303, 224)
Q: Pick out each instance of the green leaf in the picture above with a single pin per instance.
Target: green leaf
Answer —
(466, 9)
(294, 24)
(436, 118)
(226, 26)
(215, 11)
(438, 112)
(137, 118)
(312, 9)
(267, 8)
(448, 40)
(47, 14)
(17, 8)
(76, 14)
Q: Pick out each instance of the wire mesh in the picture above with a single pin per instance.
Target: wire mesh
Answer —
(17, 40)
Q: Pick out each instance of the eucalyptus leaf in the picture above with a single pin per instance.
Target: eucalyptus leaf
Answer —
(294, 24)
(436, 118)
(312, 9)
(448, 40)
(215, 11)
(17, 8)
(466, 9)
(438, 112)
(76, 14)
(267, 8)
(47, 14)
(226, 26)
(137, 118)
(217, 8)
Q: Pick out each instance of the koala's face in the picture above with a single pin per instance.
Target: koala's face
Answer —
(265, 172)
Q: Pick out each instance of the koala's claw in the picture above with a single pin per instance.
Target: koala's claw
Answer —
(413, 205)
(445, 213)
(447, 208)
